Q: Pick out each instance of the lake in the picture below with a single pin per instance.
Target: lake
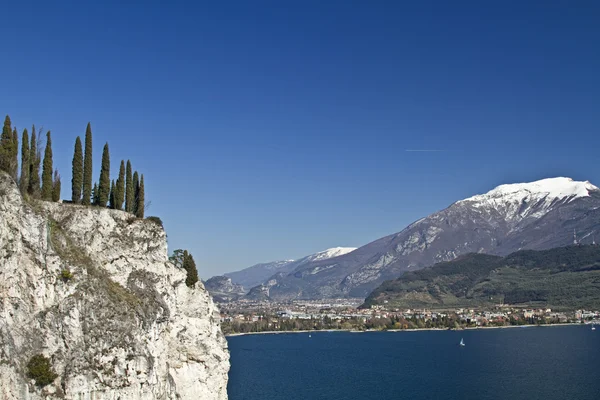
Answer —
(561, 362)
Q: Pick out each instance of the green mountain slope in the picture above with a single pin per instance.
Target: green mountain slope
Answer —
(564, 278)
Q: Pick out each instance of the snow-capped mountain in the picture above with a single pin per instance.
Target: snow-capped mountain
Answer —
(260, 273)
(536, 215)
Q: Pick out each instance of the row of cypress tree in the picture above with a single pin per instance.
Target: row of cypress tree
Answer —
(29, 177)
(127, 190)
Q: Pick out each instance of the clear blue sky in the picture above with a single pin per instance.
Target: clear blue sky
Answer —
(271, 130)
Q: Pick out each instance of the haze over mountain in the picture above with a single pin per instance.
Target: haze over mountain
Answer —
(259, 273)
(536, 215)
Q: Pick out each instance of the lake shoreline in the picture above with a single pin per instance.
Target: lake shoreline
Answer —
(404, 330)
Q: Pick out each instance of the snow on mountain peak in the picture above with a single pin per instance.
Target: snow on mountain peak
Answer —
(330, 253)
(550, 188)
(538, 197)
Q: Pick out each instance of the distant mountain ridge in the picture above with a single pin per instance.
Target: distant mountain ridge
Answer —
(536, 215)
(566, 277)
(231, 285)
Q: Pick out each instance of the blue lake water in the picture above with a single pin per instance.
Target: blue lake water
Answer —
(517, 363)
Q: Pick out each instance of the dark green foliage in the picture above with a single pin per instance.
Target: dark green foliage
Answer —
(56, 186)
(120, 188)
(156, 220)
(190, 268)
(111, 197)
(6, 147)
(87, 167)
(177, 257)
(565, 277)
(95, 194)
(47, 170)
(139, 210)
(14, 162)
(66, 275)
(77, 168)
(136, 192)
(104, 186)
(40, 369)
(129, 190)
(34, 165)
(24, 179)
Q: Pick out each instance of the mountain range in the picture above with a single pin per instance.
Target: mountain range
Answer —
(537, 215)
(564, 277)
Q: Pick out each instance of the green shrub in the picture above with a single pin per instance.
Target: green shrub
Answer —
(156, 220)
(66, 275)
(39, 368)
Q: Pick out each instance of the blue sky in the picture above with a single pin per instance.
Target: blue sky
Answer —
(271, 130)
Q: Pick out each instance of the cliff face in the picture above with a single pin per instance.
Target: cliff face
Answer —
(124, 325)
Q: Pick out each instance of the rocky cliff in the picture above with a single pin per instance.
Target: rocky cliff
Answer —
(92, 290)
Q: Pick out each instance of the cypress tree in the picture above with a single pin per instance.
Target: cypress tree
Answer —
(95, 194)
(129, 192)
(140, 199)
(56, 186)
(136, 192)
(120, 188)
(104, 187)
(34, 165)
(190, 268)
(14, 155)
(111, 197)
(77, 180)
(6, 144)
(87, 167)
(24, 180)
(47, 170)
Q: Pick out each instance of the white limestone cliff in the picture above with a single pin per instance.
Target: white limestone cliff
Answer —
(125, 326)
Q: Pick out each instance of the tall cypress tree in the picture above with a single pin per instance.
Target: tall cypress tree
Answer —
(6, 144)
(104, 187)
(129, 190)
(14, 155)
(34, 165)
(190, 268)
(111, 197)
(24, 179)
(47, 170)
(136, 192)
(77, 180)
(120, 187)
(56, 186)
(87, 167)
(140, 199)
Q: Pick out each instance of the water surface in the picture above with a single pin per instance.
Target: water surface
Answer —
(517, 363)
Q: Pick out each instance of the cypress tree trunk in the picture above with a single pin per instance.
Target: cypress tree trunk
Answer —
(34, 166)
(56, 187)
(111, 197)
(136, 192)
(120, 188)
(24, 180)
(130, 193)
(47, 170)
(104, 187)
(77, 180)
(140, 199)
(87, 167)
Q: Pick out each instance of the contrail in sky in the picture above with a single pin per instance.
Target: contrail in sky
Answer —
(425, 150)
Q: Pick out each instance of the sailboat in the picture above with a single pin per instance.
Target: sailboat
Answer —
(593, 327)
(462, 342)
